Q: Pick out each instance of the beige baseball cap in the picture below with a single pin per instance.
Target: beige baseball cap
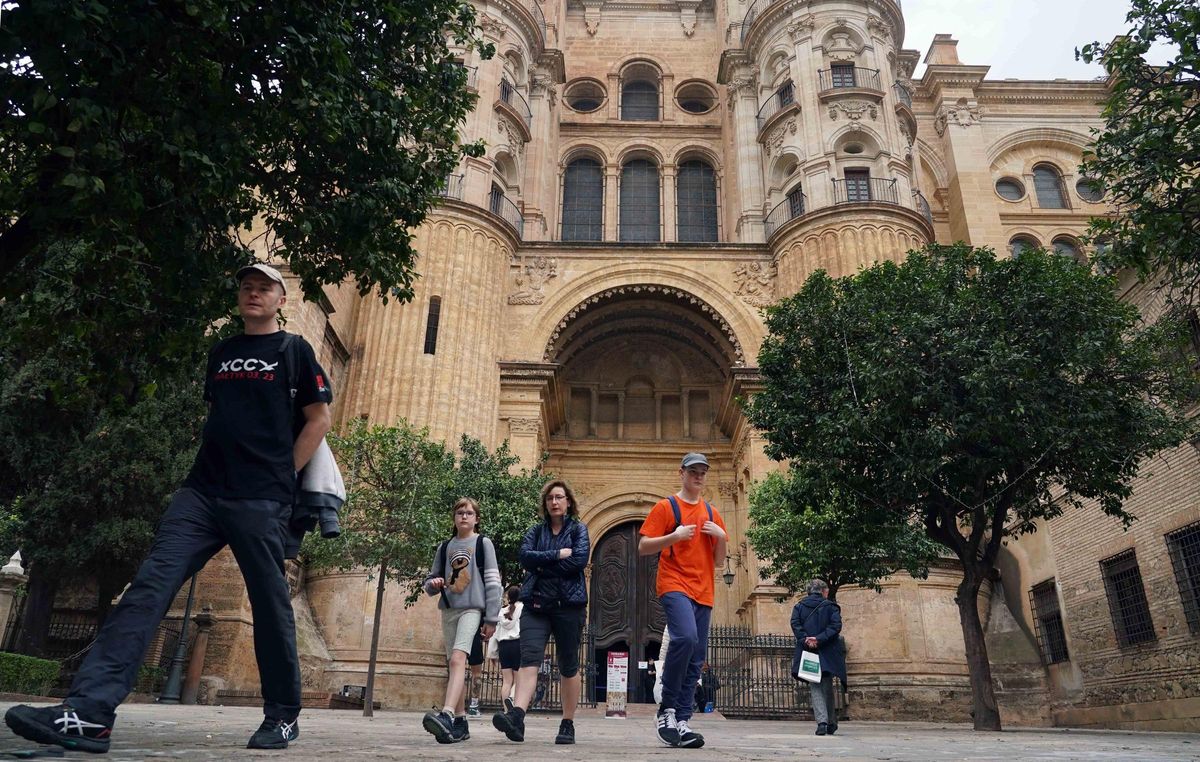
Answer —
(266, 270)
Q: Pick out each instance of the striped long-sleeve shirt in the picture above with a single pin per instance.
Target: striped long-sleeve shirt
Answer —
(471, 583)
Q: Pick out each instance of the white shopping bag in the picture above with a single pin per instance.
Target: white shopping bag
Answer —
(810, 667)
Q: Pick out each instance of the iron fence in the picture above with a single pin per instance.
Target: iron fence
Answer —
(512, 96)
(923, 206)
(754, 676)
(540, 19)
(500, 205)
(453, 187)
(902, 94)
(547, 696)
(840, 77)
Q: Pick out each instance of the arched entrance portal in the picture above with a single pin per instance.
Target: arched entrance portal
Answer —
(625, 615)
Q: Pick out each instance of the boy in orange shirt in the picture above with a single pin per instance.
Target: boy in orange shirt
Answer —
(689, 536)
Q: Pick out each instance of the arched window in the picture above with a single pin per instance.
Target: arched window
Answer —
(1066, 247)
(1047, 183)
(583, 201)
(696, 202)
(639, 101)
(1021, 244)
(639, 201)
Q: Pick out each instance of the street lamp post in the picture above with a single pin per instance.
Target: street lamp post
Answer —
(171, 691)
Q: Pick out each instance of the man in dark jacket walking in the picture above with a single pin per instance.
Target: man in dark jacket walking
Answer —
(816, 623)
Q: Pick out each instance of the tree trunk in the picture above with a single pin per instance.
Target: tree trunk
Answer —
(983, 695)
(369, 700)
(39, 605)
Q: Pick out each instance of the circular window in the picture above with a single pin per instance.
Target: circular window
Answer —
(584, 95)
(1066, 247)
(853, 148)
(1090, 189)
(696, 97)
(1021, 244)
(1010, 189)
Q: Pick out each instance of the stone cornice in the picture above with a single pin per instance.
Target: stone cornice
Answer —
(731, 60)
(516, 11)
(781, 11)
(939, 76)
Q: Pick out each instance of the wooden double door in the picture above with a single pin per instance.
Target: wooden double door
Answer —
(625, 614)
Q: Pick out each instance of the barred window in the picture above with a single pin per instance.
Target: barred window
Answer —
(583, 201)
(696, 202)
(1047, 622)
(1184, 547)
(431, 325)
(843, 75)
(639, 101)
(858, 184)
(1048, 185)
(639, 201)
(1127, 599)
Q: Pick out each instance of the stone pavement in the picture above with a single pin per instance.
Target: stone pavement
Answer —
(147, 731)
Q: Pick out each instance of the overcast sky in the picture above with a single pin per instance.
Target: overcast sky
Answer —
(1026, 39)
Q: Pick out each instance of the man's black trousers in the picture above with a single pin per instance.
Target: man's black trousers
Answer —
(193, 529)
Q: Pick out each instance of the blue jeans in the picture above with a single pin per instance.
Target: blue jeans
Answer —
(688, 623)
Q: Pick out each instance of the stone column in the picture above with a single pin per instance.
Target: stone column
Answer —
(668, 203)
(195, 669)
(612, 200)
(12, 576)
(737, 72)
(531, 406)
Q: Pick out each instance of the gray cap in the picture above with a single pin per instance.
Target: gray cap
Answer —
(693, 458)
(262, 269)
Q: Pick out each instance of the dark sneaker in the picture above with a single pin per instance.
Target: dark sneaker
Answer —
(566, 733)
(822, 728)
(832, 728)
(688, 738)
(459, 731)
(440, 724)
(511, 724)
(274, 733)
(59, 725)
(668, 729)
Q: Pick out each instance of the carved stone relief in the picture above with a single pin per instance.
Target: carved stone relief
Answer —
(964, 113)
(493, 27)
(840, 48)
(878, 27)
(775, 139)
(542, 83)
(532, 278)
(854, 110)
(755, 283)
(798, 30)
(524, 425)
(510, 135)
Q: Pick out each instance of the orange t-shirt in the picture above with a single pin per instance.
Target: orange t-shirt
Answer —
(687, 566)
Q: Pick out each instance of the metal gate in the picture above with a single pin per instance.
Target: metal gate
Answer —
(754, 676)
(548, 696)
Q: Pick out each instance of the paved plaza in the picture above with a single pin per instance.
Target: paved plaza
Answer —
(147, 731)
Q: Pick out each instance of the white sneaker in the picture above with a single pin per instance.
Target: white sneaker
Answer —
(668, 729)
(688, 738)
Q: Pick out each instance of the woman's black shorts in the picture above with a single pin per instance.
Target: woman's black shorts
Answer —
(509, 652)
(566, 623)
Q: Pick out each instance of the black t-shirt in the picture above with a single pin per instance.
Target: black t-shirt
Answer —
(246, 451)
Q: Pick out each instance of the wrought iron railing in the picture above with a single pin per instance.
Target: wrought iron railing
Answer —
(500, 205)
(865, 190)
(540, 19)
(472, 77)
(789, 209)
(922, 206)
(756, 9)
(512, 96)
(753, 674)
(780, 99)
(902, 94)
(547, 697)
(848, 76)
(453, 187)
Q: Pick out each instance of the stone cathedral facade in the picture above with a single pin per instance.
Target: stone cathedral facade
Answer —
(657, 171)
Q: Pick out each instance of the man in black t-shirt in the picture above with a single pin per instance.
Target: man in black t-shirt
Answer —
(258, 435)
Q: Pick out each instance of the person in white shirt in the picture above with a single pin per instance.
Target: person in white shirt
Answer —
(508, 643)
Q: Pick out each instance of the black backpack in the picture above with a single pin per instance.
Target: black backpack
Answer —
(679, 516)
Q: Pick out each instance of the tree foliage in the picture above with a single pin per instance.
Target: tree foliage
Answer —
(1147, 156)
(141, 142)
(802, 528)
(972, 395)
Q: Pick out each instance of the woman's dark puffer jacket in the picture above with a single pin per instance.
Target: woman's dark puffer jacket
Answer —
(539, 558)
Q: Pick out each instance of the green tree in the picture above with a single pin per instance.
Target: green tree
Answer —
(149, 148)
(508, 501)
(1147, 156)
(398, 488)
(974, 396)
(803, 528)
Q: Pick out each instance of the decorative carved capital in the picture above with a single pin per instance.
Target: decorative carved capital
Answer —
(524, 425)
(775, 140)
(878, 27)
(964, 113)
(493, 27)
(798, 30)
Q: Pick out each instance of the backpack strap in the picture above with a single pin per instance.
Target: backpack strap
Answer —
(441, 564)
(679, 516)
